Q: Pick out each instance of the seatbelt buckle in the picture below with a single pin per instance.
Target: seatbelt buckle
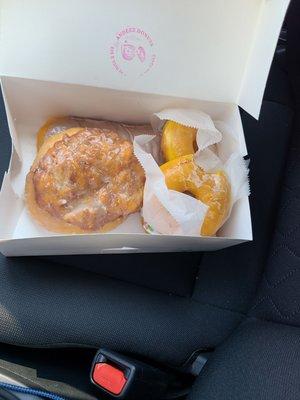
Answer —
(122, 377)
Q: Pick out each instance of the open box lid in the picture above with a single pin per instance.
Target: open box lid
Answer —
(212, 50)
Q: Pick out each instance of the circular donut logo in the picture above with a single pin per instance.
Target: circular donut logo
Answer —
(133, 52)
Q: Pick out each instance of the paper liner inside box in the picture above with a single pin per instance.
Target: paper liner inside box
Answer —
(169, 212)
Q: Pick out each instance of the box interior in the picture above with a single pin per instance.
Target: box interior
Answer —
(31, 102)
(209, 55)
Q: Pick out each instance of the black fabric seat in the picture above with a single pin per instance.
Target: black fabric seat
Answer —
(261, 360)
(44, 305)
(162, 307)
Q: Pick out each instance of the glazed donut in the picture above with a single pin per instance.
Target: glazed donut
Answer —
(84, 180)
(53, 126)
(212, 189)
(177, 140)
(57, 125)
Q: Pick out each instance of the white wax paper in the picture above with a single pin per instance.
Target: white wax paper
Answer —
(170, 212)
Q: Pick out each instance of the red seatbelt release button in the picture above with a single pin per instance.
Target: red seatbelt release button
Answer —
(109, 378)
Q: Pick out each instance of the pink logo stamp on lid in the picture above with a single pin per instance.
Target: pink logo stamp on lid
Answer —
(132, 54)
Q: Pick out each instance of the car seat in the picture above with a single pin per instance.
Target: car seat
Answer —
(169, 308)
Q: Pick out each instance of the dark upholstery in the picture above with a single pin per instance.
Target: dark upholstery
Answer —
(229, 278)
(46, 304)
(5, 142)
(166, 307)
(168, 273)
(260, 361)
(278, 298)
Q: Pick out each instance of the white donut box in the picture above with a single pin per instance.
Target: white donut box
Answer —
(123, 61)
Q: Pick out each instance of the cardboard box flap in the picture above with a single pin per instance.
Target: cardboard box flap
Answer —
(261, 55)
(211, 50)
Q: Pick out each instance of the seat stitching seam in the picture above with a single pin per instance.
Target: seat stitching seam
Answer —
(274, 286)
(284, 316)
